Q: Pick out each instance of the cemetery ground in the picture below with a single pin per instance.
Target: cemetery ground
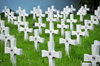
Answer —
(30, 57)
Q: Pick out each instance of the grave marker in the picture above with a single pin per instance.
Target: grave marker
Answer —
(26, 30)
(40, 25)
(62, 26)
(58, 15)
(67, 41)
(37, 39)
(13, 51)
(71, 21)
(51, 54)
(78, 33)
(51, 31)
(94, 58)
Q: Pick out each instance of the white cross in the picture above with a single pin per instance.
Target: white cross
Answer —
(19, 22)
(94, 20)
(71, 21)
(94, 58)
(78, 33)
(40, 25)
(37, 39)
(58, 15)
(13, 50)
(5, 10)
(81, 12)
(72, 9)
(86, 27)
(19, 11)
(26, 30)
(38, 9)
(62, 26)
(51, 19)
(51, 54)
(24, 14)
(6, 37)
(97, 13)
(8, 14)
(12, 17)
(68, 11)
(87, 9)
(2, 27)
(67, 41)
(86, 64)
(34, 12)
(53, 9)
(40, 15)
(50, 13)
(64, 13)
(51, 31)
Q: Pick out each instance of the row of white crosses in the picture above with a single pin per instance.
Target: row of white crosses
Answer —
(9, 14)
(51, 53)
(10, 43)
(94, 58)
(82, 11)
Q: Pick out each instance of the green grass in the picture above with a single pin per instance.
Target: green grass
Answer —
(30, 57)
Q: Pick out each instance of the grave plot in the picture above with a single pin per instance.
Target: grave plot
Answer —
(48, 53)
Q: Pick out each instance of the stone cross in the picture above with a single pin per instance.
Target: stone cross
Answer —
(37, 39)
(13, 50)
(40, 25)
(34, 12)
(26, 30)
(51, 53)
(19, 23)
(67, 41)
(6, 37)
(71, 21)
(58, 15)
(94, 58)
(62, 26)
(51, 31)
(78, 33)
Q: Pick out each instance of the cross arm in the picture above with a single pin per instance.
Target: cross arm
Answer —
(18, 51)
(57, 54)
(87, 57)
(45, 53)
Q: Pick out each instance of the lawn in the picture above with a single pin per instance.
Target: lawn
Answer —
(30, 57)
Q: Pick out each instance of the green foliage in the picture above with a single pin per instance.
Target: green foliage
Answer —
(30, 57)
